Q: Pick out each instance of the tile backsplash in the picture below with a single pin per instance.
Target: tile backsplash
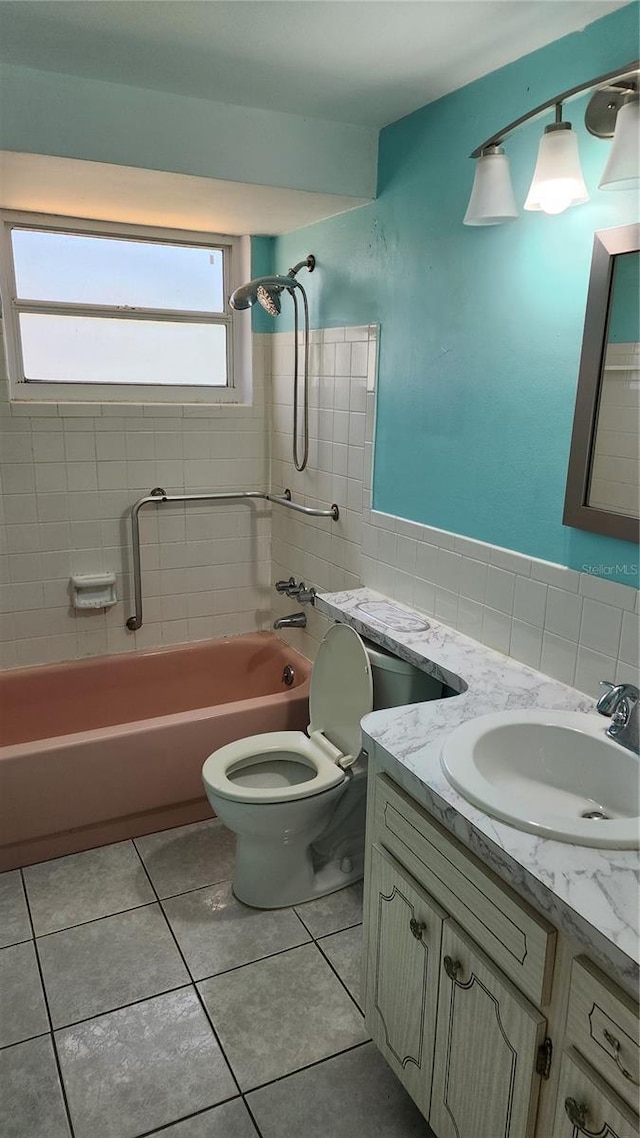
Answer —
(70, 474)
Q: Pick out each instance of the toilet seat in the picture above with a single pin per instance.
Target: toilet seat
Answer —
(289, 746)
(341, 694)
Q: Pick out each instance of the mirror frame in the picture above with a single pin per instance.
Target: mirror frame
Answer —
(607, 244)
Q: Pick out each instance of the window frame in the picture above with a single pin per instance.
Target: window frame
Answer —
(235, 258)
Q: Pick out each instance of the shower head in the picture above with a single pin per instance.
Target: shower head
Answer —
(266, 290)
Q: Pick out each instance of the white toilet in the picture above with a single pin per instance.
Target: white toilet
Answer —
(297, 802)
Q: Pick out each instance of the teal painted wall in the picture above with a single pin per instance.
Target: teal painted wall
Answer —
(480, 327)
(624, 313)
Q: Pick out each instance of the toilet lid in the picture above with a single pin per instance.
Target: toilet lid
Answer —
(341, 688)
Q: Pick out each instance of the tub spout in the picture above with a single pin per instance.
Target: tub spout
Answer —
(296, 620)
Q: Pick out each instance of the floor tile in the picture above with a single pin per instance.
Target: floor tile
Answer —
(106, 964)
(31, 1103)
(231, 1120)
(334, 912)
(14, 916)
(341, 1098)
(188, 857)
(142, 1067)
(344, 951)
(281, 1013)
(22, 1008)
(83, 886)
(216, 932)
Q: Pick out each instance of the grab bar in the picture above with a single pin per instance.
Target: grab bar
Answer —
(159, 497)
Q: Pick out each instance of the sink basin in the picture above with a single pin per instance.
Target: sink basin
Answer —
(553, 773)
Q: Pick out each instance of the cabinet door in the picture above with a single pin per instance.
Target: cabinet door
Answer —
(484, 1083)
(587, 1108)
(403, 945)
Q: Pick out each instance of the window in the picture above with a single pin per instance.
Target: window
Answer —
(104, 312)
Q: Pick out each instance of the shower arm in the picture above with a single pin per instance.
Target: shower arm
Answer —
(159, 497)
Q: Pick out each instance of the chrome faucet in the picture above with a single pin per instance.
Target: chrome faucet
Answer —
(296, 620)
(620, 701)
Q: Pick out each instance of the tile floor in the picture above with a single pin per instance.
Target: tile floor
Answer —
(138, 997)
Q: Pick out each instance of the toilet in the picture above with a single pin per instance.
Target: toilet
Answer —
(296, 801)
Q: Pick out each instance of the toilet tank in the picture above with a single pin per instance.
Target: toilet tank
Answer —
(396, 682)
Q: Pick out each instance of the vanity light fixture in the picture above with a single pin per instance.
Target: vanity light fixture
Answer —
(557, 179)
(612, 112)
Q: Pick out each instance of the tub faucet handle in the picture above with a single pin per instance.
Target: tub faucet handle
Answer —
(285, 586)
(306, 596)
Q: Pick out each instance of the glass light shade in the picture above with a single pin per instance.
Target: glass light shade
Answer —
(622, 171)
(492, 200)
(557, 180)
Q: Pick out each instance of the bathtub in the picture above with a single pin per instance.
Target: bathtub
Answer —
(99, 750)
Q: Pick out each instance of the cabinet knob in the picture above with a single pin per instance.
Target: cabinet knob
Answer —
(576, 1113)
(614, 1044)
(453, 968)
(417, 928)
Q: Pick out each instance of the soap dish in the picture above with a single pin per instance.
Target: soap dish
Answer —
(93, 590)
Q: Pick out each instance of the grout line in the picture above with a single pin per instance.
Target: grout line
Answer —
(308, 1066)
(28, 1039)
(196, 889)
(198, 996)
(95, 920)
(337, 974)
(187, 1117)
(248, 963)
(123, 1007)
(46, 1004)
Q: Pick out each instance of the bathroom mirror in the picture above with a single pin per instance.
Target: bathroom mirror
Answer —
(602, 481)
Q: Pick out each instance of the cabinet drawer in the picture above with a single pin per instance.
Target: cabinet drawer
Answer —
(586, 1108)
(602, 1023)
(520, 942)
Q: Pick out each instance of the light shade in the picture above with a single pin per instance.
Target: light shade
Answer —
(622, 171)
(492, 200)
(557, 180)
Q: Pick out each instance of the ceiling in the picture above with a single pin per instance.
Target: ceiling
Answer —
(365, 62)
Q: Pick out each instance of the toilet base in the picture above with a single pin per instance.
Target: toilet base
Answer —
(291, 878)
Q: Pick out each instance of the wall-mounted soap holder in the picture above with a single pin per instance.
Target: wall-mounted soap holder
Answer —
(93, 590)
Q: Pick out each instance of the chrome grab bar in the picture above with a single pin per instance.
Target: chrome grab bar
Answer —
(159, 497)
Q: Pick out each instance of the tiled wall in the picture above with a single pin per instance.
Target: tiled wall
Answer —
(324, 553)
(69, 475)
(576, 627)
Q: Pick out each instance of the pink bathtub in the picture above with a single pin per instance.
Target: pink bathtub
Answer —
(99, 750)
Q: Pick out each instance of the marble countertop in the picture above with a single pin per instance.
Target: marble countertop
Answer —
(591, 894)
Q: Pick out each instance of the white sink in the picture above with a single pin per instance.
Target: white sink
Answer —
(544, 771)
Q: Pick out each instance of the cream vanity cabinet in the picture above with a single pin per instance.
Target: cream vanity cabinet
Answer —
(457, 968)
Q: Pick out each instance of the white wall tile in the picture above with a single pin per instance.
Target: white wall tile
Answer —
(530, 601)
(69, 479)
(629, 639)
(500, 589)
(564, 613)
(558, 658)
(526, 643)
(601, 627)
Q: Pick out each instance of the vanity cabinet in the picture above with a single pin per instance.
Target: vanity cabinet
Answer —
(461, 998)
